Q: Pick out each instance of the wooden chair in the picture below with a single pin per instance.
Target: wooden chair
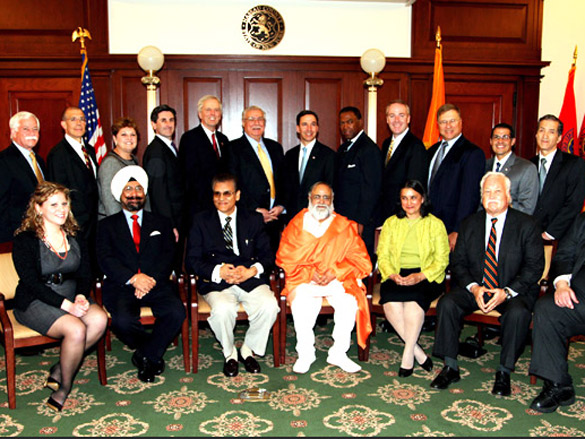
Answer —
(147, 318)
(285, 311)
(200, 311)
(14, 335)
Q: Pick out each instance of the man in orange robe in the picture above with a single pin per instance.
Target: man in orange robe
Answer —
(323, 255)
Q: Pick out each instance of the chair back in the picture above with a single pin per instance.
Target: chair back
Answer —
(8, 276)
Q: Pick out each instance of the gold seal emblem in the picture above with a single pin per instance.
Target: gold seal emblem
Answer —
(263, 27)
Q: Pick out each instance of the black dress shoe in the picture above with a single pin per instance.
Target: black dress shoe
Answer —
(231, 368)
(158, 366)
(145, 368)
(405, 372)
(250, 364)
(552, 396)
(445, 378)
(427, 365)
(55, 405)
(502, 384)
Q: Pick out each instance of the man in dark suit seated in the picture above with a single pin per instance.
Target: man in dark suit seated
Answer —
(306, 164)
(455, 169)
(203, 153)
(72, 163)
(257, 164)
(229, 251)
(559, 315)
(358, 176)
(21, 169)
(136, 250)
(562, 180)
(497, 263)
(522, 173)
(405, 158)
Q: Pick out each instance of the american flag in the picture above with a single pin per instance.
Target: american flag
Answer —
(88, 105)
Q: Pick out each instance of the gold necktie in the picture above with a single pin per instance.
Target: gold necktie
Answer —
(390, 148)
(38, 172)
(265, 162)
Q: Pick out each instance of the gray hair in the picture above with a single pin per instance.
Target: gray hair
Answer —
(15, 120)
(202, 100)
(250, 108)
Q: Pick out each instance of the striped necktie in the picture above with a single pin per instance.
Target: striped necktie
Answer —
(490, 263)
(38, 172)
(265, 162)
(389, 155)
(228, 234)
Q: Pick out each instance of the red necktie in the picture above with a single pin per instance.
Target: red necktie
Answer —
(214, 144)
(136, 232)
(86, 156)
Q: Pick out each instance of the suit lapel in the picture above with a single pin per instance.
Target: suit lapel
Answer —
(24, 166)
(552, 173)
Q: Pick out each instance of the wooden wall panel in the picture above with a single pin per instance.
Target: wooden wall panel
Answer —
(267, 94)
(323, 96)
(45, 97)
(394, 87)
(482, 106)
(42, 28)
(503, 30)
(193, 90)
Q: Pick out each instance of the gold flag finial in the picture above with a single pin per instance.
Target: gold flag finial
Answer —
(81, 34)
(575, 56)
(438, 36)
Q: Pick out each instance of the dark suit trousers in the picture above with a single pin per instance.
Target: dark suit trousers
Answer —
(125, 310)
(552, 328)
(515, 321)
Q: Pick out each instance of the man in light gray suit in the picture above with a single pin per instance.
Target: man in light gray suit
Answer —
(521, 172)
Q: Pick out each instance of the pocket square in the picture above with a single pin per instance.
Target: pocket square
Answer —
(156, 232)
(351, 165)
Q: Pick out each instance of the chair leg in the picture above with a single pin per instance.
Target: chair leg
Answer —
(276, 341)
(364, 353)
(10, 373)
(185, 342)
(195, 339)
(282, 321)
(101, 361)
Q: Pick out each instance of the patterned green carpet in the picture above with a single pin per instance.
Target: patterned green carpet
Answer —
(324, 402)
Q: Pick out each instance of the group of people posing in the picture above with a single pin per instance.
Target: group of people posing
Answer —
(229, 211)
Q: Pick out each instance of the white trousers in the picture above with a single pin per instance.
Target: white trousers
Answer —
(261, 307)
(305, 309)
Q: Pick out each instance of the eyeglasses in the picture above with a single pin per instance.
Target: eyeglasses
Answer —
(448, 122)
(129, 189)
(504, 137)
(225, 194)
(320, 197)
(77, 119)
(255, 119)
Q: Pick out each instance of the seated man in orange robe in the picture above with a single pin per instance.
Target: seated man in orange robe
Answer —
(323, 255)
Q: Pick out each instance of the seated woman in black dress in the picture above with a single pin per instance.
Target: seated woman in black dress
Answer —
(52, 296)
(413, 253)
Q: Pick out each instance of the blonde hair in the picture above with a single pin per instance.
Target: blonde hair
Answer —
(33, 222)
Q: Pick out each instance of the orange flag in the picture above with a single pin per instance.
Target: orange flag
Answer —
(431, 135)
(569, 114)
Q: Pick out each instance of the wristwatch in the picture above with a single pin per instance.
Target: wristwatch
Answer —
(508, 293)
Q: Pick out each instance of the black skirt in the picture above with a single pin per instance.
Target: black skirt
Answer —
(422, 293)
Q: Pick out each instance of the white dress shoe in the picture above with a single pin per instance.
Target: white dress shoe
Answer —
(303, 364)
(343, 361)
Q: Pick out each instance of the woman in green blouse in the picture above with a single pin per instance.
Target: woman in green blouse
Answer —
(413, 253)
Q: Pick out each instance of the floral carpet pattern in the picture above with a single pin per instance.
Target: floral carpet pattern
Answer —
(324, 402)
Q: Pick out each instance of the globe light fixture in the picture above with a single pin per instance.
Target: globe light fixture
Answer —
(373, 62)
(151, 60)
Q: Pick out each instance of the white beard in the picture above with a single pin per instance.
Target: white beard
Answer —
(320, 211)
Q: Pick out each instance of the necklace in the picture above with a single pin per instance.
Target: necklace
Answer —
(48, 244)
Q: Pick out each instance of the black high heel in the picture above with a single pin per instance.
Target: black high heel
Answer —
(52, 383)
(405, 372)
(427, 365)
(57, 406)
